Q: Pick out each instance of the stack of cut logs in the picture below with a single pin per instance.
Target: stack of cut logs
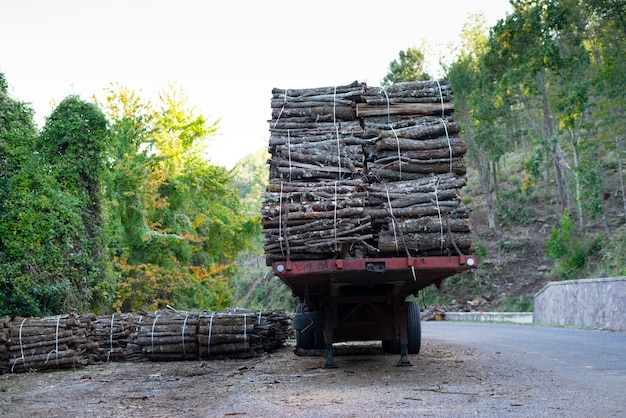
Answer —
(5, 339)
(239, 332)
(167, 336)
(69, 341)
(54, 342)
(362, 172)
(113, 334)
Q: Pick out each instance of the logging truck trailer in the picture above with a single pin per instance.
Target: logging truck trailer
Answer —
(344, 300)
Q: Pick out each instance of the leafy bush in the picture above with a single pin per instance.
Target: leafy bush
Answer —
(29, 298)
(523, 303)
(614, 255)
(480, 250)
(514, 206)
(557, 245)
(570, 251)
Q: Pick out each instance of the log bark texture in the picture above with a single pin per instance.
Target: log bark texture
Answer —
(355, 170)
(71, 341)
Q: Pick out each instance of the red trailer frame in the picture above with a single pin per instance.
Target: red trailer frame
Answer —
(363, 299)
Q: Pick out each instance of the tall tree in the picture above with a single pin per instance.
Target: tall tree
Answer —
(607, 28)
(252, 174)
(49, 248)
(471, 95)
(17, 133)
(182, 223)
(72, 144)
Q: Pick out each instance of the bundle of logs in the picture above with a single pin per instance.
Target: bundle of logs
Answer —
(70, 341)
(357, 171)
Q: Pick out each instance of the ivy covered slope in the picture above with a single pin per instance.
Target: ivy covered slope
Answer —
(112, 206)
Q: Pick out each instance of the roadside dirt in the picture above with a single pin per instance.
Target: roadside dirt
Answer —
(516, 263)
(443, 381)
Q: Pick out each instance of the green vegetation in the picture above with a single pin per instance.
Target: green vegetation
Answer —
(408, 67)
(113, 207)
(51, 253)
(612, 256)
(540, 98)
(180, 223)
(460, 288)
(254, 285)
(522, 303)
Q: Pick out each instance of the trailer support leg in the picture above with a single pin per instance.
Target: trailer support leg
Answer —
(401, 324)
(329, 319)
(404, 355)
(330, 361)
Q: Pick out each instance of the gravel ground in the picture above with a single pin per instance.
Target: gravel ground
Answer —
(443, 381)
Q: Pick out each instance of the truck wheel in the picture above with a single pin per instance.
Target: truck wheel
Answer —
(414, 331)
(319, 343)
(309, 326)
(310, 340)
(304, 340)
(414, 326)
(308, 320)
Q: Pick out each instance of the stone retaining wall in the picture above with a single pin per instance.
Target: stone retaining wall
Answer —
(594, 303)
(514, 317)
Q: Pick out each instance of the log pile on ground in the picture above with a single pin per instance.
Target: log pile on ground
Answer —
(54, 342)
(113, 334)
(4, 343)
(241, 333)
(71, 341)
(167, 336)
(362, 172)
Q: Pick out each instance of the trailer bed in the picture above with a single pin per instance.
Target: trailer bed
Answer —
(407, 275)
(364, 299)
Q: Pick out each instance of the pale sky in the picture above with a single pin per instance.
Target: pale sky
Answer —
(226, 55)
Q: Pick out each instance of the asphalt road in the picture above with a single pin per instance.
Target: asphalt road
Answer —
(588, 363)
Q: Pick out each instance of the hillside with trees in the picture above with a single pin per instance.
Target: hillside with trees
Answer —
(541, 98)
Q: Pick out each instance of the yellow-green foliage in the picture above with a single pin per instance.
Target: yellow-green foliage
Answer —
(179, 223)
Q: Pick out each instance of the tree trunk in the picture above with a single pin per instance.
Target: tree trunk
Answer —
(555, 150)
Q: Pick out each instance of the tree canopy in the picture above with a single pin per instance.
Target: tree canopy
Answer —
(113, 206)
(547, 82)
(410, 66)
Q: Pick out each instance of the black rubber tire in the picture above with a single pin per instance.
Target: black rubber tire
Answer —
(414, 326)
(304, 340)
(319, 343)
(414, 331)
(309, 328)
(308, 321)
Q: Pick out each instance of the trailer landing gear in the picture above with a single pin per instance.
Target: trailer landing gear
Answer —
(330, 361)
(404, 356)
